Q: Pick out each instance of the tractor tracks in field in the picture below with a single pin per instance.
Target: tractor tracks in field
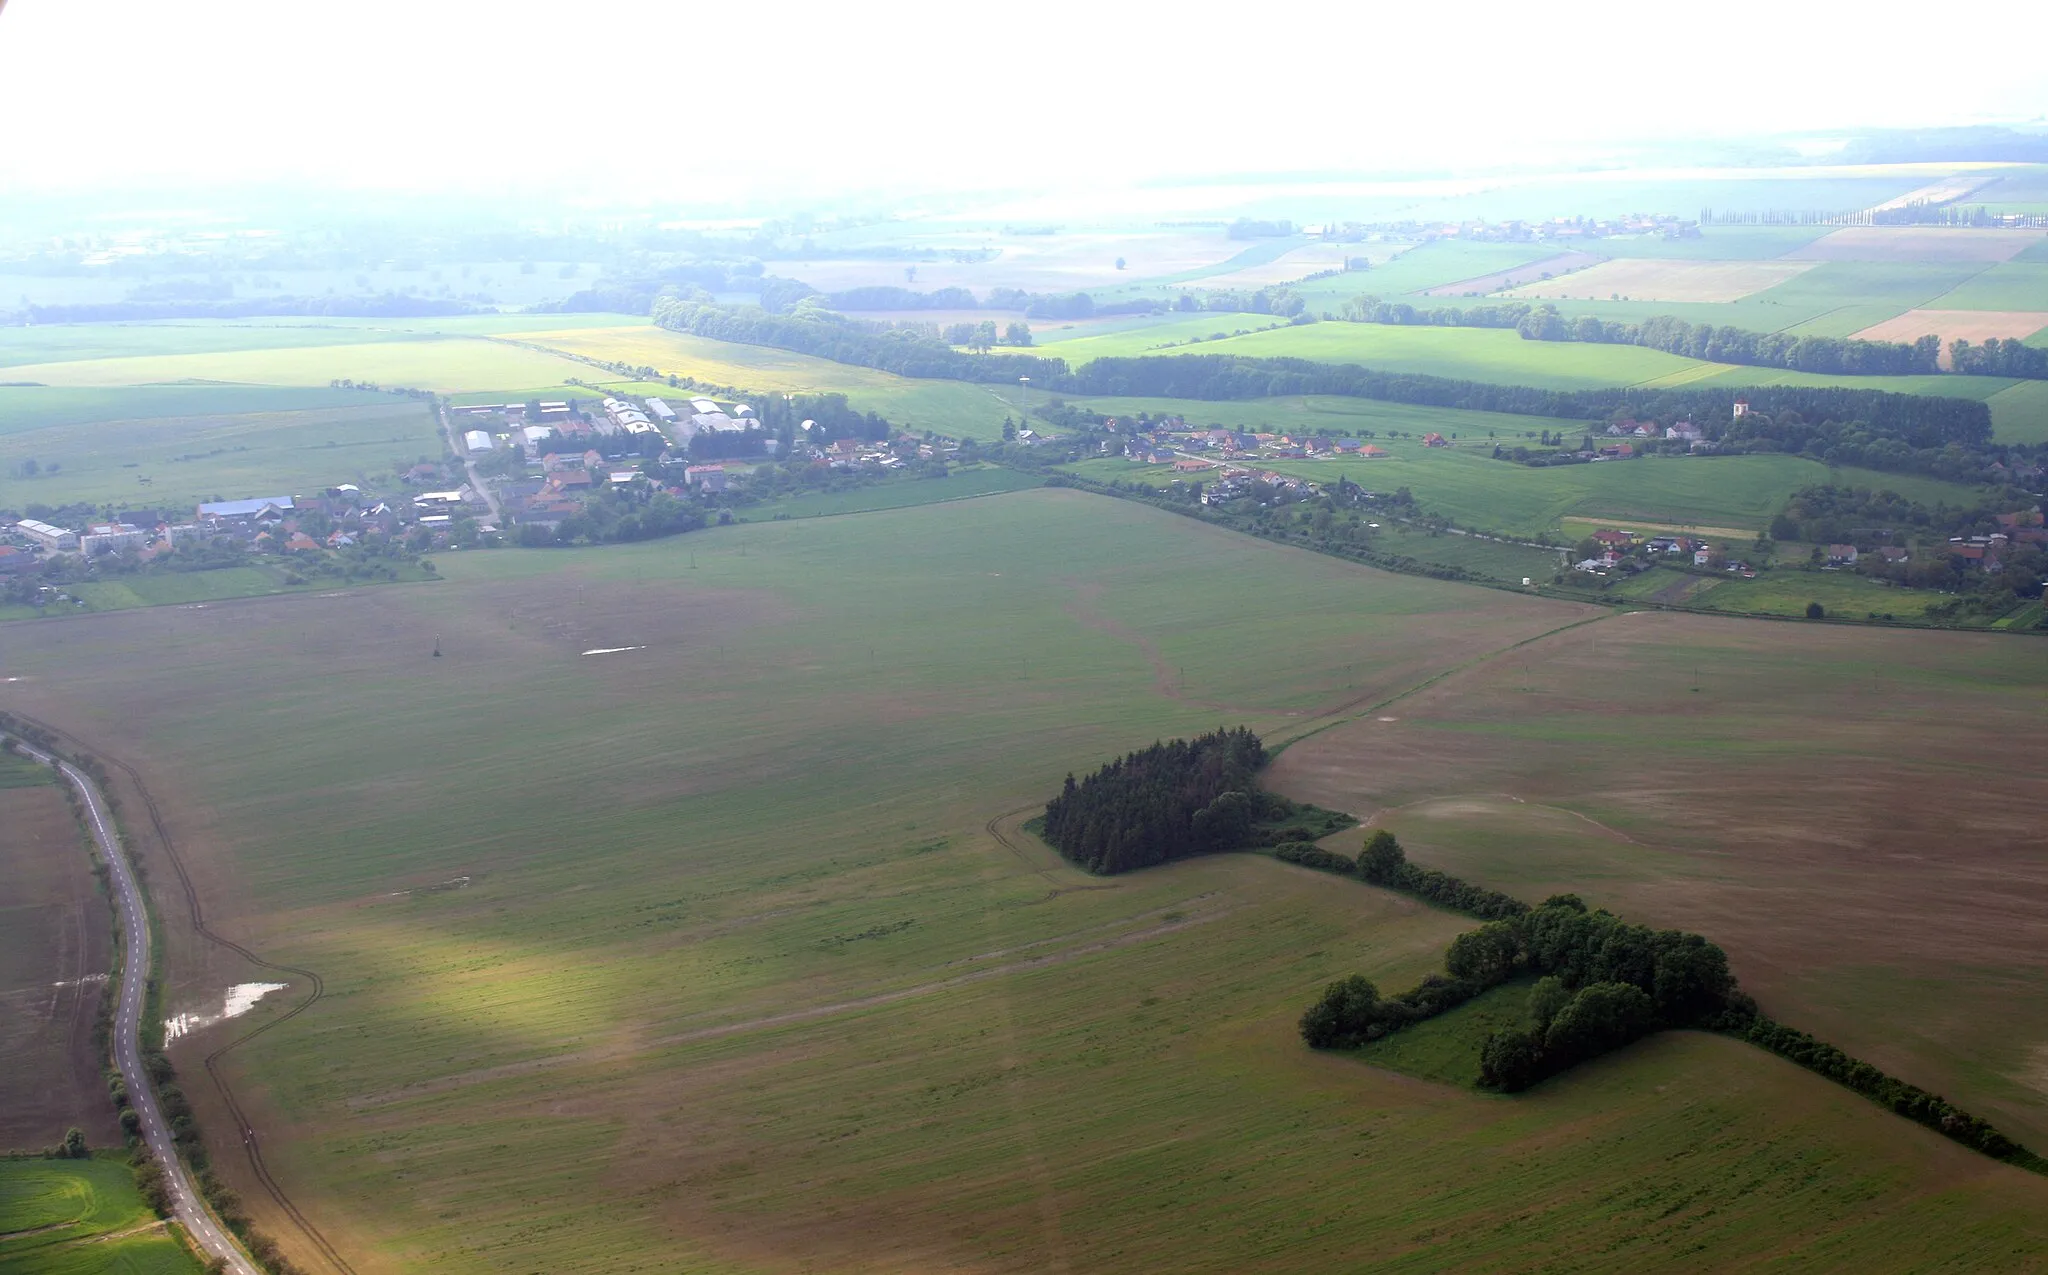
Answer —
(1364, 705)
(251, 1145)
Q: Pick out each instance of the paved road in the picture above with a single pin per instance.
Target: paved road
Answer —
(476, 480)
(187, 1207)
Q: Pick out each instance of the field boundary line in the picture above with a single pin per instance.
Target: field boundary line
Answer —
(1343, 713)
(250, 1145)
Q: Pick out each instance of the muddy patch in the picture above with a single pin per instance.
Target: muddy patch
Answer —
(237, 1001)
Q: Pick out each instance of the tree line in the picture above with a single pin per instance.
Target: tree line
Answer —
(1601, 983)
(1722, 344)
(1168, 801)
(1383, 863)
(2009, 357)
(1918, 419)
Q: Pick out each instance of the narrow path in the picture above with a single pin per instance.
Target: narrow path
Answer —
(1352, 711)
(186, 1204)
(476, 480)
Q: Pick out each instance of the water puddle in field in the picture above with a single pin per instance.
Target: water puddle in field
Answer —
(1390, 719)
(239, 1000)
(614, 650)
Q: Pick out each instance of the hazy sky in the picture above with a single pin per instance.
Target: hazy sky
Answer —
(747, 96)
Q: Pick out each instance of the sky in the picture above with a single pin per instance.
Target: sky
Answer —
(746, 98)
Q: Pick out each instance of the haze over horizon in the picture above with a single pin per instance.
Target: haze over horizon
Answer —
(725, 105)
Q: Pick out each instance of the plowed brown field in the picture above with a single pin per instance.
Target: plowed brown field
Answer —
(1860, 817)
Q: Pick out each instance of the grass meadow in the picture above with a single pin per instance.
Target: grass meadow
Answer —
(1490, 354)
(723, 952)
(2019, 413)
(174, 462)
(1718, 494)
(81, 1217)
(960, 484)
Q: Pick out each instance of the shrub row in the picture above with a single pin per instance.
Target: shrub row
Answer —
(1603, 984)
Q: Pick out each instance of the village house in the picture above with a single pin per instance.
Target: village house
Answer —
(706, 477)
(1435, 440)
(1841, 555)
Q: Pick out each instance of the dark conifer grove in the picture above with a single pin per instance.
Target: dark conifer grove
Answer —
(1165, 802)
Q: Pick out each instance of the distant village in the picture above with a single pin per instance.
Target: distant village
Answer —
(534, 464)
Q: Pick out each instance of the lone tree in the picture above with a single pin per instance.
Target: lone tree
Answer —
(1815, 611)
(1382, 859)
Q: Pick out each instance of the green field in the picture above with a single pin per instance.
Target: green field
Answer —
(1425, 266)
(1842, 593)
(1720, 494)
(1319, 413)
(2009, 285)
(75, 1217)
(2019, 413)
(1841, 298)
(20, 772)
(956, 409)
(724, 952)
(30, 408)
(188, 459)
(1473, 490)
(1446, 1048)
(1490, 354)
(900, 493)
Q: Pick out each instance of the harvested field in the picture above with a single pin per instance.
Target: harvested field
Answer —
(1917, 243)
(1650, 279)
(56, 946)
(1791, 791)
(1561, 263)
(1974, 326)
(1035, 263)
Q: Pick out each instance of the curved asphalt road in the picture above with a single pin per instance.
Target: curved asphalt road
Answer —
(186, 1204)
